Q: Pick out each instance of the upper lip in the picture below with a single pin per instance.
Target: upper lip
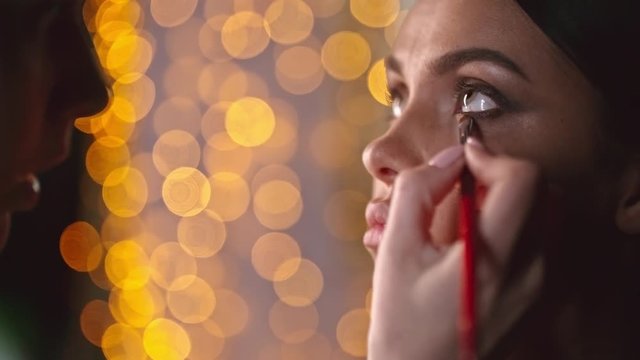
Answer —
(376, 213)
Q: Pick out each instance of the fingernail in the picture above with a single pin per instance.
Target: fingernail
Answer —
(447, 157)
(472, 141)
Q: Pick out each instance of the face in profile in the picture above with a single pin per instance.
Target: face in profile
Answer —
(49, 76)
(528, 101)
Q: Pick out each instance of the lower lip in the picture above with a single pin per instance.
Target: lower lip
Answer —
(372, 237)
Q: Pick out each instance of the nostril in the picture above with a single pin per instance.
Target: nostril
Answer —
(387, 173)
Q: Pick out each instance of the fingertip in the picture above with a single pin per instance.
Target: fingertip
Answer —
(475, 153)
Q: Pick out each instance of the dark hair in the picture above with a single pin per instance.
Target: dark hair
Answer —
(601, 37)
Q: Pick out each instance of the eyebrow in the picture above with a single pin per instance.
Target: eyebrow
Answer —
(455, 59)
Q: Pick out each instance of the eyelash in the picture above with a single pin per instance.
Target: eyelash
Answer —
(464, 87)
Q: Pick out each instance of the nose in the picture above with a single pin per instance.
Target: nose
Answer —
(79, 87)
(389, 154)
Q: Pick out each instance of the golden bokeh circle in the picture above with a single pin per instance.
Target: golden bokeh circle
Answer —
(95, 318)
(186, 191)
(175, 149)
(377, 82)
(346, 55)
(80, 246)
(277, 204)
(170, 13)
(137, 94)
(299, 70)
(244, 35)
(127, 265)
(230, 195)
(165, 339)
(250, 121)
(124, 192)
(302, 288)
(171, 267)
(210, 40)
(224, 155)
(192, 304)
(120, 342)
(271, 253)
(288, 21)
(351, 332)
(230, 316)
(136, 307)
(105, 155)
(375, 13)
(202, 235)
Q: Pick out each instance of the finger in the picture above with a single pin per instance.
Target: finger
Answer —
(511, 187)
(415, 195)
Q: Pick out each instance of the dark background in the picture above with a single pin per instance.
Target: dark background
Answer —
(40, 296)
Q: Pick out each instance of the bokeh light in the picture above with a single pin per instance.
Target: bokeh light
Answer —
(250, 121)
(127, 265)
(375, 13)
(170, 13)
(95, 318)
(224, 162)
(276, 256)
(80, 246)
(230, 316)
(377, 81)
(193, 303)
(125, 192)
(202, 235)
(346, 55)
(171, 267)
(186, 191)
(230, 195)
(121, 342)
(277, 204)
(299, 70)
(352, 332)
(165, 339)
(302, 288)
(105, 155)
(174, 149)
(244, 35)
(288, 21)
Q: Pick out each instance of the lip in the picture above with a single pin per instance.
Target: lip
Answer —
(376, 215)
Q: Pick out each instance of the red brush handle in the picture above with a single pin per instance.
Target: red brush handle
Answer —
(468, 328)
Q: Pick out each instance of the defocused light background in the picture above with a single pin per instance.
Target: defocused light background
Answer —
(223, 198)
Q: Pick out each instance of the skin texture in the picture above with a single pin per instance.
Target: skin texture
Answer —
(48, 77)
(541, 140)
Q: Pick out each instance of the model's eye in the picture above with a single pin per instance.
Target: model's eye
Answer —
(474, 101)
(397, 104)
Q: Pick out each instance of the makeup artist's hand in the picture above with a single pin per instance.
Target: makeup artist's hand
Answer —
(416, 293)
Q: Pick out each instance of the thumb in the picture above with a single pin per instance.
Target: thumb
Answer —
(511, 187)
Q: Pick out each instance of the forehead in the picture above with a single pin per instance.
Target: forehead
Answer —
(436, 27)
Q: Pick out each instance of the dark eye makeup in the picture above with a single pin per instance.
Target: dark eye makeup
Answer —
(464, 89)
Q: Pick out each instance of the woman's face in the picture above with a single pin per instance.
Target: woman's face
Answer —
(485, 58)
(48, 77)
